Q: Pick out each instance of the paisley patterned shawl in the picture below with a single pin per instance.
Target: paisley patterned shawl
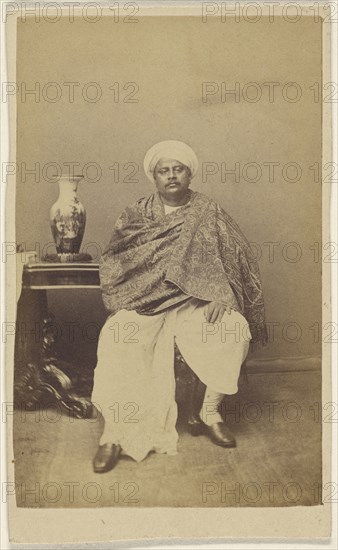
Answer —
(156, 260)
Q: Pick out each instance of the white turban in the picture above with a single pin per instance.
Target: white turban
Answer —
(176, 150)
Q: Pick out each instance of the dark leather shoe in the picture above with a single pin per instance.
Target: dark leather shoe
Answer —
(218, 432)
(220, 435)
(106, 457)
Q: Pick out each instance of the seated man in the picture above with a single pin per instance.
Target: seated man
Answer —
(177, 267)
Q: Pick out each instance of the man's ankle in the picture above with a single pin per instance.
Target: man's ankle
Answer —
(210, 418)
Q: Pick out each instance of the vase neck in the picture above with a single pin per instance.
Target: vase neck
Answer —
(67, 186)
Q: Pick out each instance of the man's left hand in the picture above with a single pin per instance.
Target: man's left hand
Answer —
(214, 312)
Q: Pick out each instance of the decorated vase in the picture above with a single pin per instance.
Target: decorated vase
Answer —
(68, 217)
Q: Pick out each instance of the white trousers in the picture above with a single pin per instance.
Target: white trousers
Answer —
(134, 381)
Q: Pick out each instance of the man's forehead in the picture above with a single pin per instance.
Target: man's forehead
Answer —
(163, 162)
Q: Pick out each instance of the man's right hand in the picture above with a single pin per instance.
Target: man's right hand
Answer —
(214, 312)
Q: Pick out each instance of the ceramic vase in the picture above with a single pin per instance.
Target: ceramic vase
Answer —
(68, 217)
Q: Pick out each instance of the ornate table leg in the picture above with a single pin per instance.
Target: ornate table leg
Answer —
(39, 377)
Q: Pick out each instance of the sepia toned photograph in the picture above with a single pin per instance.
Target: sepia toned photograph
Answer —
(171, 244)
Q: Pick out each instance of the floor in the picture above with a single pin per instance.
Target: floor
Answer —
(277, 462)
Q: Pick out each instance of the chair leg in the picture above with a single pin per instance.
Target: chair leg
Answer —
(194, 391)
(194, 400)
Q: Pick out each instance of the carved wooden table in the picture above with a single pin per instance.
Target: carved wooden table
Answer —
(39, 376)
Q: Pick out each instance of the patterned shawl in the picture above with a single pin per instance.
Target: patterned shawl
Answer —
(156, 260)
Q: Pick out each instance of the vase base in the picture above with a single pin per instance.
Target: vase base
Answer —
(67, 257)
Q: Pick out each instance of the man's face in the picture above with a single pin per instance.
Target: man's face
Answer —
(172, 179)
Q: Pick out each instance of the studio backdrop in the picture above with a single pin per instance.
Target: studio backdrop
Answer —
(95, 95)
